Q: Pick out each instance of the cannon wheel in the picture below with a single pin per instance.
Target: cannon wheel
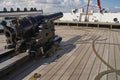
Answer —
(32, 54)
(51, 51)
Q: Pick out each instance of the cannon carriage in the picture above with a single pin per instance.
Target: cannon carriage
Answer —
(34, 34)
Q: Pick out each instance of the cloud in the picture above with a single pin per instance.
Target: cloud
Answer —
(77, 1)
(2, 1)
(46, 5)
(50, 1)
(55, 1)
(117, 7)
(41, 1)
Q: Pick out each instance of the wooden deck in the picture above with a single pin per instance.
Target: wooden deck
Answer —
(76, 59)
(2, 43)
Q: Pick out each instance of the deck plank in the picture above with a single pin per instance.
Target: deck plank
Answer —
(96, 65)
(111, 60)
(103, 67)
(117, 52)
(88, 67)
(65, 66)
(2, 42)
(48, 68)
(72, 67)
(61, 71)
(12, 60)
(56, 64)
(79, 69)
(81, 63)
(115, 47)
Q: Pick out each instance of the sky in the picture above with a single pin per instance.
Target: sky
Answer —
(60, 5)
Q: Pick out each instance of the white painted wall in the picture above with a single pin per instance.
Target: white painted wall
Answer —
(70, 17)
(105, 17)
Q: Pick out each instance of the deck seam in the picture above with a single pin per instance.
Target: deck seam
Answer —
(89, 57)
(96, 58)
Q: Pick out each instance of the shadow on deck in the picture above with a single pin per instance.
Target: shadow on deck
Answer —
(31, 65)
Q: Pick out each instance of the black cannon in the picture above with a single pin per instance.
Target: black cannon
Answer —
(35, 34)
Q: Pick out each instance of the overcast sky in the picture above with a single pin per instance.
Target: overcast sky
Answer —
(59, 5)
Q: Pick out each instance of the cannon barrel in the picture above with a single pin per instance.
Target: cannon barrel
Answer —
(30, 21)
(24, 27)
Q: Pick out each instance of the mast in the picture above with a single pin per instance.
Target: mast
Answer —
(86, 19)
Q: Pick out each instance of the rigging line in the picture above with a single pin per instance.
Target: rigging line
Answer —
(87, 11)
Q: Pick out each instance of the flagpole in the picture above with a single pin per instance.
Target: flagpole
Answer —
(86, 19)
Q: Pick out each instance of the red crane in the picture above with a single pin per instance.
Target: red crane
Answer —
(99, 5)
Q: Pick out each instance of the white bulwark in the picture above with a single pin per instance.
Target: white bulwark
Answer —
(92, 17)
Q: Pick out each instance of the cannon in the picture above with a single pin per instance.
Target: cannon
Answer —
(32, 34)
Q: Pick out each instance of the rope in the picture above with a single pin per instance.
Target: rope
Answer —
(94, 39)
(99, 76)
